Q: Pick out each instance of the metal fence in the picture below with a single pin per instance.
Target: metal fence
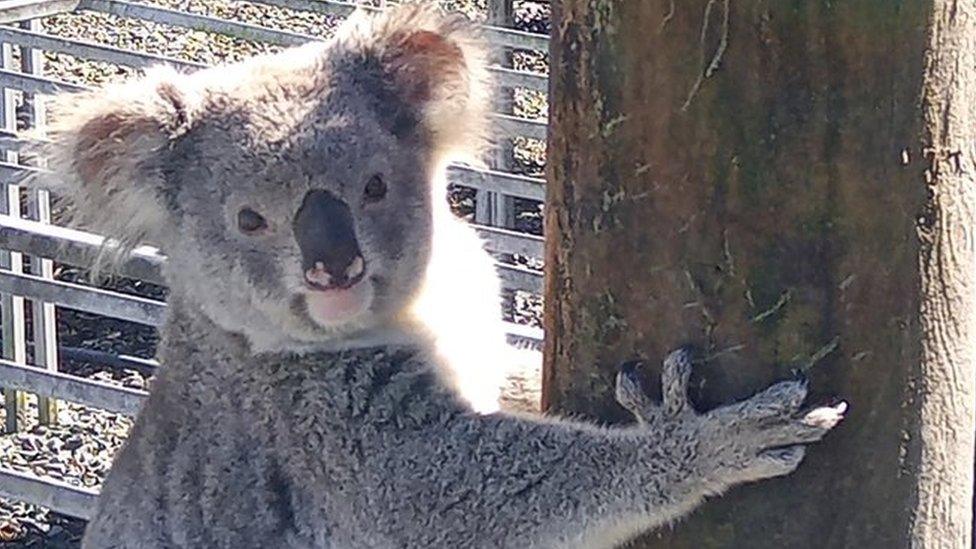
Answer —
(27, 237)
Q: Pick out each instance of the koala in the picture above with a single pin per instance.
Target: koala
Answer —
(302, 400)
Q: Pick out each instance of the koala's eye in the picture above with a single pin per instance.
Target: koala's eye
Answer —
(375, 189)
(250, 221)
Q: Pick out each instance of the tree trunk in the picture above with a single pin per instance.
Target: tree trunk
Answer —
(790, 186)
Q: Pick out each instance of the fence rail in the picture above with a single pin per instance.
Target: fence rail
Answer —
(76, 247)
(14, 11)
(96, 394)
(60, 496)
(44, 243)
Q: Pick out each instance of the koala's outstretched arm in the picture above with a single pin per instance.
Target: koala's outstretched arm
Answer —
(507, 481)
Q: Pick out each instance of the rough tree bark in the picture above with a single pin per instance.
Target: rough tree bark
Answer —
(791, 186)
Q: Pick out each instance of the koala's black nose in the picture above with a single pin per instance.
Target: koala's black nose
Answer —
(326, 237)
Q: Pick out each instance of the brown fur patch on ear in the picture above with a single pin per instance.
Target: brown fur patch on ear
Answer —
(435, 64)
(422, 59)
(107, 149)
(101, 141)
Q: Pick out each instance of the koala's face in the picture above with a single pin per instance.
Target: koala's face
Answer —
(323, 226)
(291, 192)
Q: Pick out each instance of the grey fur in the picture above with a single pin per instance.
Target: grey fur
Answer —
(271, 427)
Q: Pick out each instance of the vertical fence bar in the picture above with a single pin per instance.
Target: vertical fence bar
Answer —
(496, 209)
(44, 323)
(492, 208)
(11, 306)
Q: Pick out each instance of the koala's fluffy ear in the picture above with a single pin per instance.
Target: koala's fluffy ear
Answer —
(108, 151)
(433, 64)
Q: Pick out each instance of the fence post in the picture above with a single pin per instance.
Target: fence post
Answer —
(44, 321)
(492, 208)
(11, 306)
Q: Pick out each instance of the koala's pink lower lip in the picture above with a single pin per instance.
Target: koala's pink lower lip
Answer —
(336, 306)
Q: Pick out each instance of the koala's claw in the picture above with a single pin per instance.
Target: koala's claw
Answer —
(674, 387)
(826, 417)
(674, 382)
(630, 394)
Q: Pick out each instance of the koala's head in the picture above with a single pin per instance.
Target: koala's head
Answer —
(292, 192)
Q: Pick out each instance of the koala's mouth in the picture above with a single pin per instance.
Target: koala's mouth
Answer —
(318, 278)
(337, 305)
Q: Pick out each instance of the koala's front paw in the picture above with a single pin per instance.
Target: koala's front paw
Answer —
(761, 437)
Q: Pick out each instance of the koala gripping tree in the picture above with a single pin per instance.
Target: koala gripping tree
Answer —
(791, 186)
